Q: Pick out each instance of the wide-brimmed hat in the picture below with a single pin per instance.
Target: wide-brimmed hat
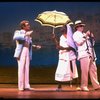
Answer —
(79, 23)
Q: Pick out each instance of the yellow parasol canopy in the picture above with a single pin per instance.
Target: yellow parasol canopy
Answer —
(53, 18)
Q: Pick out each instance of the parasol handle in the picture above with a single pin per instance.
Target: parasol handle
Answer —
(53, 31)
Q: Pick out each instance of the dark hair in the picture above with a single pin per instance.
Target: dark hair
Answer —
(64, 29)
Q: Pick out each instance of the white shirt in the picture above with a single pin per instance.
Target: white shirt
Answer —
(63, 54)
(82, 49)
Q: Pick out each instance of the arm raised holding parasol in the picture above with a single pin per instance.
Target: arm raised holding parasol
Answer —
(61, 47)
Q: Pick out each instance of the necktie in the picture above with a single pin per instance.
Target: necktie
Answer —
(91, 53)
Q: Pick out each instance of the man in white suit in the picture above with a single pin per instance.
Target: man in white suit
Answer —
(86, 56)
(23, 54)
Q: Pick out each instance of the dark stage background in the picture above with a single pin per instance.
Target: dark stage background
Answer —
(46, 56)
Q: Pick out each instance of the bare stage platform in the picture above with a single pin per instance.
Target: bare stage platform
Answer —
(46, 91)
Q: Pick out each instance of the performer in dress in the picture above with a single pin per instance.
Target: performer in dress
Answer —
(63, 71)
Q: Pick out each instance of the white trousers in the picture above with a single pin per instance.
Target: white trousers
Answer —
(74, 69)
(88, 67)
(23, 69)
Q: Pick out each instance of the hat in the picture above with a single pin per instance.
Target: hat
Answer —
(79, 23)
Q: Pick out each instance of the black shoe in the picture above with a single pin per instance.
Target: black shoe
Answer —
(59, 89)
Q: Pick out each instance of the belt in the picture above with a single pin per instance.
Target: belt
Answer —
(26, 44)
(63, 60)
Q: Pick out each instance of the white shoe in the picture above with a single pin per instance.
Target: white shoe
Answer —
(78, 88)
(85, 89)
(29, 88)
(21, 89)
(97, 88)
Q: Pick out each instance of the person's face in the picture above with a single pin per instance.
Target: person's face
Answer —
(80, 28)
(27, 26)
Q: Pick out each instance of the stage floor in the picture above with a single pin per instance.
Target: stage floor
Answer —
(46, 91)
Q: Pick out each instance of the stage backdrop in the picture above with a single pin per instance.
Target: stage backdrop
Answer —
(14, 12)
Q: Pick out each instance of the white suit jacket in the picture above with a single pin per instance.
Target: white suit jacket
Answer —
(20, 35)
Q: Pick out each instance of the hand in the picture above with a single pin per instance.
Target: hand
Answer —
(53, 36)
(92, 35)
(28, 33)
(38, 46)
(88, 33)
